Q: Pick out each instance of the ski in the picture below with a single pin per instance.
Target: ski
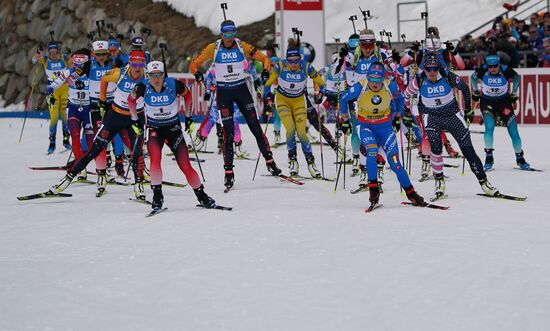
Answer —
(155, 212)
(244, 158)
(47, 194)
(426, 205)
(373, 207)
(227, 189)
(141, 201)
(83, 181)
(438, 197)
(192, 158)
(448, 165)
(286, 178)
(216, 207)
(49, 168)
(499, 195)
(359, 190)
(313, 178)
(452, 157)
(100, 193)
(530, 169)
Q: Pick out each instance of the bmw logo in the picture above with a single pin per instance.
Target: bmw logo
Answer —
(376, 100)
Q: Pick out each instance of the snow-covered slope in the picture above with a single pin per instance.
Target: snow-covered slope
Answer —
(286, 258)
(454, 18)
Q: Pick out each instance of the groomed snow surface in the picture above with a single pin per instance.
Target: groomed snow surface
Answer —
(286, 258)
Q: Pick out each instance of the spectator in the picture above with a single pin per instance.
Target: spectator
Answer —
(545, 61)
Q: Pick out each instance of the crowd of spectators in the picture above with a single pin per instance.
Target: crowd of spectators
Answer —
(520, 43)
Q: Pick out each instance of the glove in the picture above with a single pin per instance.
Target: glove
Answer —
(318, 98)
(332, 101)
(265, 75)
(476, 96)
(396, 123)
(395, 56)
(513, 98)
(345, 126)
(206, 96)
(268, 108)
(343, 52)
(50, 100)
(408, 118)
(468, 116)
(101, 106)
(137, 127)
(257, 84)
(189, 125)
(449, 45)
(199, 77)
(49, 90)
(79, 85)
(415, 46)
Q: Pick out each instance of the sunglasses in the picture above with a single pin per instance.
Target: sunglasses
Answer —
(492, 66)
(138, 65)
(367, 45)
(229, 34)
(431, 69)
(101, 54)
(293, 61)
(156, 74)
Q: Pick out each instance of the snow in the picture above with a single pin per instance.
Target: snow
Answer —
(12, 107)
(442, 13)
(286, 258)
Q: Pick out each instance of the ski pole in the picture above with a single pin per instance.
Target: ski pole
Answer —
(321, 141)
(29, 101)
(340, 165)
(402, 153)
(259, 153)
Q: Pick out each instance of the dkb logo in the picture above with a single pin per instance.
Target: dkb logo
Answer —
(161, 98)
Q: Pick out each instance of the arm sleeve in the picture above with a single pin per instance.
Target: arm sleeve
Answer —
(206, 54)
(410, 91)
(317, 79)
(251, 51)
(184, 92)
(457, 82)
(398, 99)
(511, 74)
(110, 76)
(351, 94)
(61, 79)
(272, 78)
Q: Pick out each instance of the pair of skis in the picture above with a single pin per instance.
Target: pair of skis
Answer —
(425, 205)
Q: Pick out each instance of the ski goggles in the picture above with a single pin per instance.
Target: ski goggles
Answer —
(293, 61)
(367, 45)
(431, 69)
(157, 74)
(137, 64)
(101, 53)
(492, 66)
(229, 34)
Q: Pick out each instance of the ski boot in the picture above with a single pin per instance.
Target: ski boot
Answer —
(203, 198)
(277, 137)
(489, 160)
(272, 166)
(312, 168)
(521, 161)
(82, 176)
(199, 142)
(51, 147)
(487, 188)
(139, 190)
(119, 166)
(414, 197)
(239, 153)
(293, 166)
(158, 198)
(380, 165)
(66, 142)
(425, 173)
(355, 165)
(374, 192)
(101, 181)
(450, 150)
(229, 176)
(439, 187)
(63, 184)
